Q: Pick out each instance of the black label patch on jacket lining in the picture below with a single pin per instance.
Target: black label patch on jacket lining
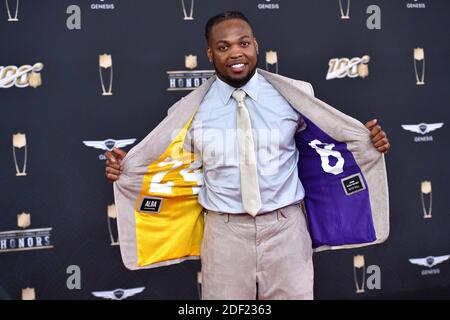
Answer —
(152, 205)
(353, 184)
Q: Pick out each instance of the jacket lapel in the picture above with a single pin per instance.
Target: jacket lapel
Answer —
(159, 173)
(344, 176)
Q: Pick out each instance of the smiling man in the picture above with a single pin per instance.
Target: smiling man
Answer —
(276, 172)
(235, 67)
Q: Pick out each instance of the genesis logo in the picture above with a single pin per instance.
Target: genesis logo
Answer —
(118, 294)
(423, 128)
(108, 144)
(430, 262)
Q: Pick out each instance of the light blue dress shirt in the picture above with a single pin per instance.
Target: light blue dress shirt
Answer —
(213, 136)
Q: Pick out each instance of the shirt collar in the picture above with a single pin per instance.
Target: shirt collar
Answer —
(225, 90)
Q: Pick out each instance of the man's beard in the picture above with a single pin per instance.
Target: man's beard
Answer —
(237, 83)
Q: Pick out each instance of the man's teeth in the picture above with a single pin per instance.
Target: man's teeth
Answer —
(239, 65)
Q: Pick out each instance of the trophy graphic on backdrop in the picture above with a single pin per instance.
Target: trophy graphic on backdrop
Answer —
(11, 18)
(272, 59)
(425, 188)
(19, 142)
(419, 55)
(105, 62)
(346, 15)
(23, 220)
(112, 215)
(190, 61)
(191, 12)
(358, 267)
(28, 294)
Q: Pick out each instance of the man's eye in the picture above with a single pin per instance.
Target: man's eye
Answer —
(245, 44)
(222, 48)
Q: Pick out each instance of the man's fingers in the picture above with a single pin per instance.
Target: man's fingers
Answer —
(110, 156)
(113, 171)
(116, 165)
(119, 152)
(371, 123)
(381, 142)
(380, 135)
(116, 155)
(375, 130)
(384, 149)
(113, 165)
(111, 177)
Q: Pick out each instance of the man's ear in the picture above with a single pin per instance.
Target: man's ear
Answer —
(209, 54)
(256, 46)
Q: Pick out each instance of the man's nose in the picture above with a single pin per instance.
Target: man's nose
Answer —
(236, 52)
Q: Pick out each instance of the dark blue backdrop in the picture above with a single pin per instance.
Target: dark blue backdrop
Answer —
(65, 188)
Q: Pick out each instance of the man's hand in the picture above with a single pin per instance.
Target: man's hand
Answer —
(113, 167)
(379, 137)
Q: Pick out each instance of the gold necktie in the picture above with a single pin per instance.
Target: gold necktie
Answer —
(251, 197)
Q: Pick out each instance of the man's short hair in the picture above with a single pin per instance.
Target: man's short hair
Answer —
(228, 15)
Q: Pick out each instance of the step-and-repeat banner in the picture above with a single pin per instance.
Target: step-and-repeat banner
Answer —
(80, 77)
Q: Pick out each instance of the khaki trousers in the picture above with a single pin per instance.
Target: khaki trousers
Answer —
(264, 257)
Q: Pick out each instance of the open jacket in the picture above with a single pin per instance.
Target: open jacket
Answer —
(160, 221)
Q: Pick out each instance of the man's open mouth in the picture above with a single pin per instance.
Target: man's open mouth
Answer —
(237, 67)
